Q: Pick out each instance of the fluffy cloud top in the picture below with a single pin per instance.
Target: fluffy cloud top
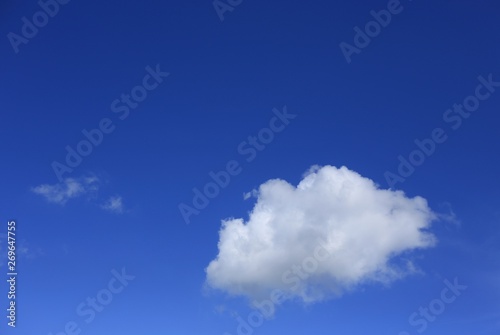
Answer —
(331, 233)
(70, 188)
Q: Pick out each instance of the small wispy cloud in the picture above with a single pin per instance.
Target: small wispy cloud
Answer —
(114, 204)
(253, 193)
(69, 188)
(23, 250)
(27, 251)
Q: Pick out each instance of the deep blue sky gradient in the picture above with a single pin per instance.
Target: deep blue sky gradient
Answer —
(225, 79)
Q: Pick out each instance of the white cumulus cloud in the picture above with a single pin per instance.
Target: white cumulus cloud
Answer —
(333, 232)
(69, 188)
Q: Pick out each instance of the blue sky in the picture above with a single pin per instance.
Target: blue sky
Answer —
(204, 87)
